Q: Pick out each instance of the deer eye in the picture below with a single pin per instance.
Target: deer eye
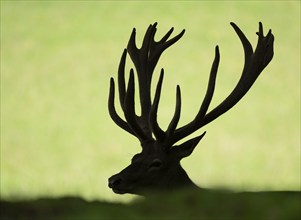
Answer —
(156, 164)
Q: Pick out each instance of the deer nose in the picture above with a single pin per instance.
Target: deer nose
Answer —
(114, 181)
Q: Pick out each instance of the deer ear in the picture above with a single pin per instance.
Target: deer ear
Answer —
(185, 149)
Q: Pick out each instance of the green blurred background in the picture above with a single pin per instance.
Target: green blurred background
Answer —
(57, 57)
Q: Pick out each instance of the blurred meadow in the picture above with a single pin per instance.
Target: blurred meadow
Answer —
(57, 57)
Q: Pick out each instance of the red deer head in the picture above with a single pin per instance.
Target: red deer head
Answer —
(157, 166)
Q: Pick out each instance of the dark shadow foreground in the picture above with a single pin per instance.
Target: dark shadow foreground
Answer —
(204, 204)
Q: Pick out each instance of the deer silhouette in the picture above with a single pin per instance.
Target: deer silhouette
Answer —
(157, 166)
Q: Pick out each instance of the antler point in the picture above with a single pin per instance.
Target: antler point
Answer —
(178, 89)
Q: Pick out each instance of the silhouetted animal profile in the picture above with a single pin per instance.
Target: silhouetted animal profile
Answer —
(157, 166)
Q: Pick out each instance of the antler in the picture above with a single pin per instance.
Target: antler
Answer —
(255, 62)
(145, 60)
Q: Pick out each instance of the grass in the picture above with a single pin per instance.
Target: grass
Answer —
(56, 60)
(183, 205)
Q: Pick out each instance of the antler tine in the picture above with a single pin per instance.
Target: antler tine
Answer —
(166, 36)
(129, 109)
(211, 86)
(191, 127)
(140, 56)
(141, 62)
(145, 48)
(171, 41)
(119, 121)
(174, 122)
(159, 47)
(158, 132)
(121, 81)
(255, 62)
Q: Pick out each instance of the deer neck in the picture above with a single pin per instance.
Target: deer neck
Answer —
(181, 180)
